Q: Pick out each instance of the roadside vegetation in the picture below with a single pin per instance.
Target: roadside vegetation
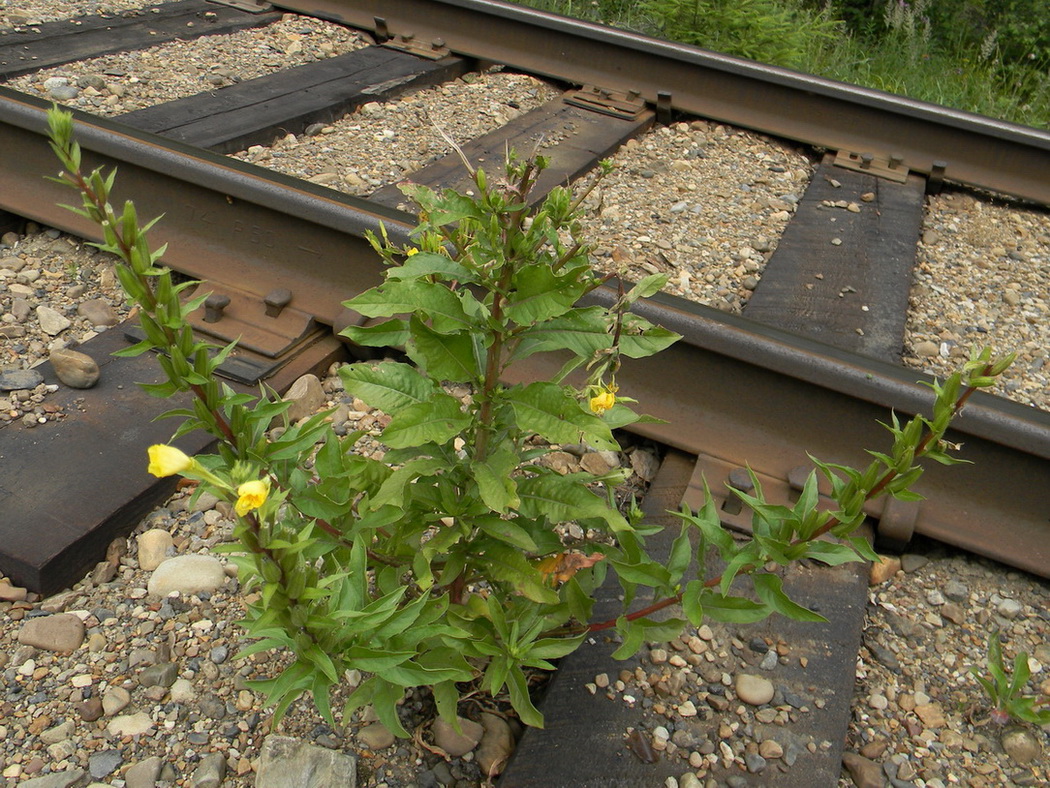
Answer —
(991, 57)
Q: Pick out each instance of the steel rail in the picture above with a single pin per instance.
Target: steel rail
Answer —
(927, 138)
(732, 390)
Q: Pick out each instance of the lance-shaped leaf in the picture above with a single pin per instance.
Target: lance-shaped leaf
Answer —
(497, 488)
(506, 564)
(436, 421)
(550, 411)
(539, 294)
(430, 264)
(562, 499)
(443, 356)
(770, 590)
(441, 305)
(390, 385)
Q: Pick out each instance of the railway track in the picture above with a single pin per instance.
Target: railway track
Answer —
(253, 233)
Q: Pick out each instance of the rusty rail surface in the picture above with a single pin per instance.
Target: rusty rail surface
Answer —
(735, 392)
(918, 136)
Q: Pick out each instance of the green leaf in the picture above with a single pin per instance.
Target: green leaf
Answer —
(691, 605)
(389, 333)
(389, 385)
(647, 286)
(830, 553)
(395, 297)
(497, 489)
(442, 356)
(375, 660)
(732, 609)
(506, 531)
(563, 498)
(770, 590)
(435, 421)
(680, 556)
(430, 264)
(550, 411)
(392, 491)
(506, 564)
(519, 698)
(446, 698)
(539, 294)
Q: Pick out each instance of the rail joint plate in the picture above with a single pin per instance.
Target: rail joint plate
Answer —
(619, 104)
(889, 167)
(407, 42)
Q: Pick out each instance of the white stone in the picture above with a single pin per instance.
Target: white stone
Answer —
(187, 574)
(129, 724)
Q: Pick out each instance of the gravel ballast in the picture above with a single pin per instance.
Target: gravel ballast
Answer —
(154, 677)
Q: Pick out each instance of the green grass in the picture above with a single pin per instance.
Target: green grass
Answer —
(902, 52)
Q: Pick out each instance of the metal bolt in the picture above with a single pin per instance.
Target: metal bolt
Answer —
(214, 306)
(438, 43)
(896, 160)
(865, 160)
(739, 479)
(277, 300)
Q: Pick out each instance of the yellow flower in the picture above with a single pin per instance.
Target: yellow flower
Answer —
(167, 461)
(411, 252)
(604, 399)
(251, 495)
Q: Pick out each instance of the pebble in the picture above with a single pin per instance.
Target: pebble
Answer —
(153, 547)
(187, 574)
(497, 745)
(754, 690)
(63, 632)
(376, 736)
(306, 397)
(210, 772)
(454, 743)
(288, 762)
(97, 312)
(76, 370)
(1021, 744)
(16, 379)
(129, 724)
(52, 322)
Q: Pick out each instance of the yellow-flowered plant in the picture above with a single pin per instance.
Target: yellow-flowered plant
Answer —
(603, 399)
(251, 495)
(167, 460)
(448, 560)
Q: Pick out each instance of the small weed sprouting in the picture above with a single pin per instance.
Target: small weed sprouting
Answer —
(1006, 692)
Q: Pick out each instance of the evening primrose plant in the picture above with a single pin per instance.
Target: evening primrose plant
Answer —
(447, 563)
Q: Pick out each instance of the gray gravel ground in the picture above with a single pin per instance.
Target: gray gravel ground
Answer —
(919, 717)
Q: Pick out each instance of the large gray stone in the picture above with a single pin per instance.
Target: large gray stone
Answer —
(289, 762)
(15, 379)
(211, 771)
